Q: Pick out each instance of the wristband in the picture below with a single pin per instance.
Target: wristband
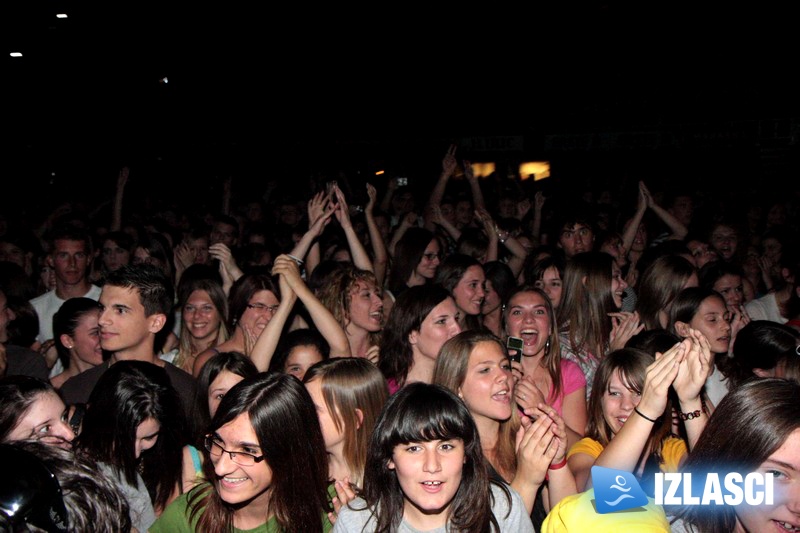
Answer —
(691, 416)
(636, 410)
(559, 465)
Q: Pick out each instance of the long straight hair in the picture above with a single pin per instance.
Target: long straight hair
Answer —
(217, 296)
(127, 394)
(451, 371)
(351, 385)
(285, 422)
(421, 412)
(750, 423)
(586, 301)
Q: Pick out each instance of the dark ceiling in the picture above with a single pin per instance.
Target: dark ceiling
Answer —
(260, 79)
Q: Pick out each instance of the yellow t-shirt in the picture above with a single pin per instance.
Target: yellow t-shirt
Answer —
(672, 451)
(577, 513)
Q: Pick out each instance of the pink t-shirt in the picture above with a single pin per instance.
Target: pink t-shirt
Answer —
(572, 379)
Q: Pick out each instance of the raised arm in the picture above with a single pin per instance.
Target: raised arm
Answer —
(449, 164)
(474, 186)
(380, 255)
(320, 209)
(625, 449)
(693, 372)
(357, 251)
(409, 220)
(677, 228)
(633, 223)
(264, 348)
(119, 193)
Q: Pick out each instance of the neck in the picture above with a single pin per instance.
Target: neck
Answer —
(492, 321)
(421, 370)
(78, 365)
(65, 291)
(253, 513)
(424, 520)
(359, 340)
(415, 279)
(488, 430)
(338, 469)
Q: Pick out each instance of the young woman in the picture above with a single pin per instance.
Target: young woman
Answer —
(77, 338)
(348, 393)
(219, 375)
(660, 282)
(500, 282)
(204, 308)
(298, 351)
(727, 279)
(704, 310)
(464, 278)
(474, 365)
(767, 440)
(548, 274)
(544, 376)
(267, 469)
(425, 472)
(760, 350)
(415, 259)
(31, 409)
(353, 296)
(133, 429)
(422, 319)
(628, 429)
(589, 319)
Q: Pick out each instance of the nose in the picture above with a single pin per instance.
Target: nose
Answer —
(224, 464)
(455, 328)
(622, 283)
(103, 319)
(63, 430)
(627, 403)
(432, 463)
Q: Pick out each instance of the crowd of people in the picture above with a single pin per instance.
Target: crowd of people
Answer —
(455, 356)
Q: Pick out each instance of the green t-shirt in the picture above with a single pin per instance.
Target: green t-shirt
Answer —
(175, 519)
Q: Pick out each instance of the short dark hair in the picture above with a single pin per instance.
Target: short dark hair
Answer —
(156, 292)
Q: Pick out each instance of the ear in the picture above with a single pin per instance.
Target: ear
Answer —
(66, 341)
(157, 322)
(682, 328)
(460, 395)
(360, 416)
(583, 280)
(413, 337)
(390, 464)
(760, 372)
(49, 261)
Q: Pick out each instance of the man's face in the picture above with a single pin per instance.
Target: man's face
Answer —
(576, 239)
(224, 233)
(70, 259)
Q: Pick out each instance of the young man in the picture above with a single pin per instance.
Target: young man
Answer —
(135, 302)
(575, 233)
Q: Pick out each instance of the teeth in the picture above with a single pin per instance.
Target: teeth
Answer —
(234, 479)
(788, 526)
(434, 483)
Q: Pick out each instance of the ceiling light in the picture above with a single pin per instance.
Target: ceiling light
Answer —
(61, 15)
(16, 54)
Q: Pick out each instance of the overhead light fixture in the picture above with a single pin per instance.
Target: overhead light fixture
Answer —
(61, 15)
(16, 54)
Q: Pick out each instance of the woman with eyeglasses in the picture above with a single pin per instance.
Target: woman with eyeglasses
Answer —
(415, 258)
(266, 468)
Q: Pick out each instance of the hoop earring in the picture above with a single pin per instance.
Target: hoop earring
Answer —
(547, 346)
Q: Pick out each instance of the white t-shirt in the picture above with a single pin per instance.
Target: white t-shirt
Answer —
(46, 306)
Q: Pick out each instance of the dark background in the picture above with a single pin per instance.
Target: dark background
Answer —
(678, 93)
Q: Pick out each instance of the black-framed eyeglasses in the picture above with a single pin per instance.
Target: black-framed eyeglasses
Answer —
(240, 458)
(431, 256)
(261, 307)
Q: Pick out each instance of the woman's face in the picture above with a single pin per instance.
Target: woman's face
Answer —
(618, 402)
(146, 436)
(440, 325)
(219, 387)
(114, 255)
(429, 474)
(488, 387)
(366, 307)
(724, 240)
(712, 319)
(334, 438)
(85, 340)
(142, 256)
(200, 316)
(45, 420)
(259, 311)
(527, 317)
(551, 284)
(702, 253)
(468, 292)
(785, 509)
(613, 247)
(429, 261)
(731, 288)
(618, 285)
(491, 300)
(300, 359)
(237, 484)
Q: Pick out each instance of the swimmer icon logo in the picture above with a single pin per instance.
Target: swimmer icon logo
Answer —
(616, 490)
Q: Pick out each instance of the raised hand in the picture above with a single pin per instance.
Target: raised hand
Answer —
(372, 194)
(538, 200)
(624, 325)
(528, 394)
(469, 173)
(696, 367)
(449, 162)
(287, 269)
(342, 211)
(659, 377)
(523, 206)
(536, 448)
(344, 494)
(183, 256)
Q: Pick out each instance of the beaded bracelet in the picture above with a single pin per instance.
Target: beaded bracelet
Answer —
(691, 416)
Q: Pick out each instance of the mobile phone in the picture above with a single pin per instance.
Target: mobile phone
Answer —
(515, 344)
(402, 181)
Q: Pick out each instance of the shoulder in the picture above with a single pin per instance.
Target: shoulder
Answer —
(94, 292)
(571, 372)
(355, 517)
(26, 362)
(588, 446)
(174, 518)
(178, 376)
(78, 388)
(509, 509)
(673, 450)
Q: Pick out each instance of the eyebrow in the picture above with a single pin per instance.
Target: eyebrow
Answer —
(783, 464)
